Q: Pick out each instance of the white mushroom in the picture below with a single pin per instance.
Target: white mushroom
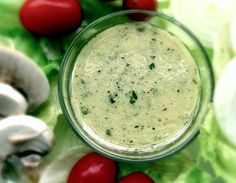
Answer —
(25, 77)
(26, 138)
(11, 101)
(225, 102)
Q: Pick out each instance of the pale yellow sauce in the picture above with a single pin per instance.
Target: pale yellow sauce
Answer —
(135, 85)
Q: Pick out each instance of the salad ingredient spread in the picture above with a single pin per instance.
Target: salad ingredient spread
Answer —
(136, 177)
(135, 85)
(24, 79)
(23, 140)
(50, 17)
(209, 149)
(93, 168)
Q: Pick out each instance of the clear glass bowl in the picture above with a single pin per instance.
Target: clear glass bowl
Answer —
(158, 20)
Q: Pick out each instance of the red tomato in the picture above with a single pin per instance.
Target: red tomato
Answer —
(141, 5)
(50, 17)
(136, 177)
(93, 168)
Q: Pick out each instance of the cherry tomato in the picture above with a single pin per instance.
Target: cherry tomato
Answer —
(50, 17)
(93, 168)
(136, 177)
(141, 5)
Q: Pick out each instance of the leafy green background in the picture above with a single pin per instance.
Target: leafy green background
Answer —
(208, 159)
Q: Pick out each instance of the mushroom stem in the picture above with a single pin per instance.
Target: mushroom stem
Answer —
(12, 102)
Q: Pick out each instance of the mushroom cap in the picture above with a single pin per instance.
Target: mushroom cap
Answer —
(11, 101)
(22, 129)
(23, 74)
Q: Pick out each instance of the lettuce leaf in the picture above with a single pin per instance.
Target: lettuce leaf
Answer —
(216, 151)
(65, 139)
(169, 169)
(50, 111)
(194, 175)
(223, 51)
(9, 15)
(60, 168)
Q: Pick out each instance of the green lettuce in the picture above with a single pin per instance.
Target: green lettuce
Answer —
(223, 51)
(9, 15)
(65, 138)
(194, 175)
(216, 151)
(50, 111)
(166, 170)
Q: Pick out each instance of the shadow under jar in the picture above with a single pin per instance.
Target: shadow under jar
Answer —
(136, 90)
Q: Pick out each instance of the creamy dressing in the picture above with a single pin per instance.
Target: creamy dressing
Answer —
(135, 85)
